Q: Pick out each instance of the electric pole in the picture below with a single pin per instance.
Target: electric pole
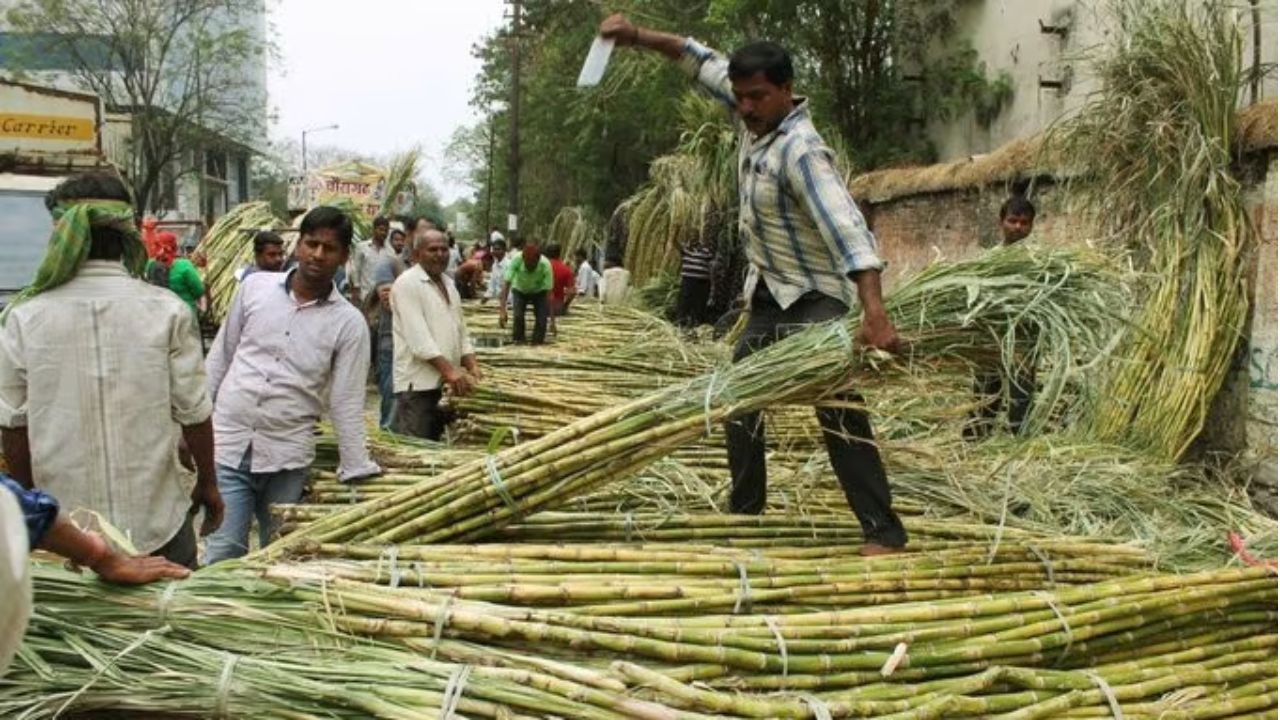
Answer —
(513, 169)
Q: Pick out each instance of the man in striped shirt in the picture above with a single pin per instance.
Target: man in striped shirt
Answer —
(810, 254)
(695, 284)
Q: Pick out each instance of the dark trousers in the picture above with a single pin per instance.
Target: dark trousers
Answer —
(541, 310)
(847, 433)
(418, 414)
(989, 388)
(691, 311)
(181, 548)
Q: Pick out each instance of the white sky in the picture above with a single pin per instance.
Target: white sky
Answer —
(390, 73)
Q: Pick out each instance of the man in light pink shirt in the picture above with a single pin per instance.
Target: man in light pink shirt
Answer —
(288, 339)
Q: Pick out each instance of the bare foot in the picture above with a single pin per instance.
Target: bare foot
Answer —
(876, 549)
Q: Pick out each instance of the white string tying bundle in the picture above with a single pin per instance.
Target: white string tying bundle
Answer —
(453, 692)
(817, 706)
(393, 553)
(442, 618)
(743, 600)
(495, 477)
(706, 401)
(1108, 693)
(1045, 561)
(772, 623)
(224, 685)
(166, 597)
(1066, 626)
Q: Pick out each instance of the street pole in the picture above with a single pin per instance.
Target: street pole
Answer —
(513, 181)
(304, 145)
(488, 201)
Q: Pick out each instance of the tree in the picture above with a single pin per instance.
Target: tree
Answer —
(176, 66)
(876, 71)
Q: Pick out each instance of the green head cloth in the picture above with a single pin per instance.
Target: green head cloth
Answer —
(69, 244)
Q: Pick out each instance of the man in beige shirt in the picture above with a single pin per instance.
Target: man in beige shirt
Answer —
(101, 373)
(432, 347)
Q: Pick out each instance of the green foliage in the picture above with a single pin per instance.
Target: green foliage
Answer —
(176, 67)
(876, 72)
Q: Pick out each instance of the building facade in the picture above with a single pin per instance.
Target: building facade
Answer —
(1042, 46)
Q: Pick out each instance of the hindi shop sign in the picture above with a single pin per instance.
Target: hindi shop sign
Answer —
(365, 185)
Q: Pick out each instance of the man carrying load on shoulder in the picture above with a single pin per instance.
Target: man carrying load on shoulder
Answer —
(807, 245)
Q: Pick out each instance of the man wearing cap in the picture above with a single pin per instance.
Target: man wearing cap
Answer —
(528, 282)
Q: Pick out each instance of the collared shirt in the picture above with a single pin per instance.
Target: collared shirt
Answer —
(526, 281)
(801, 229)
(497, 274)
(364, 261)
(615, 286)
(102, 371)
(588, 279)
(275, 366)
(427, 323)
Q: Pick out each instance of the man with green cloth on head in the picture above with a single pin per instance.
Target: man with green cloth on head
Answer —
(101, 375)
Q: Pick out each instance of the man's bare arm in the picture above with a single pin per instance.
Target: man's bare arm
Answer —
(620, 29)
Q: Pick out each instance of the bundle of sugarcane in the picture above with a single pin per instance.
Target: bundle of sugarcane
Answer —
(1181, 514)
(401, 174)
(360, 220)
(224, 644)
(1155, 149)
(876, 652)
(960, 312)
(689, 195)
(575, 228)
(227, 247)
(692, 577)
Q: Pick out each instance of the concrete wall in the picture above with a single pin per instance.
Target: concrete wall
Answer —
(914, 230)
(1007, 37)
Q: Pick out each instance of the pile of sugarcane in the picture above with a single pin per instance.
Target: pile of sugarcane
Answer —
(575, 228)
(1155, 150)
(228, 247)
(507, 631)
(972, 311)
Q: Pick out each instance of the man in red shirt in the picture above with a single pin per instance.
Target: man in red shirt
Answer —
(564, 283)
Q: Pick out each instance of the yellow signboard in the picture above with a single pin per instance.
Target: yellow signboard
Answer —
(45, 127)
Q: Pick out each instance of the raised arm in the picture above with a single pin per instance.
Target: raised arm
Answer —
(708, 67)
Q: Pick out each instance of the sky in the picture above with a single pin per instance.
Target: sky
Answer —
(390, 73)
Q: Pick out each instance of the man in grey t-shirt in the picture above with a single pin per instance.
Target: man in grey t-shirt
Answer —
(385, 273)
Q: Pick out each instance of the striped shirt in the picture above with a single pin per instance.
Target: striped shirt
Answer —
(801, 230)
(695, 262)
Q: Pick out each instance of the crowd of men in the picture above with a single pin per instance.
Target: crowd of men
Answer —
(109, 403)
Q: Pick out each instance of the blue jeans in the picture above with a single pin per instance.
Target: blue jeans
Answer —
(248, 495)
(386, 385)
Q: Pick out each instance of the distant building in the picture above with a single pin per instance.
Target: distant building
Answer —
(209, 177)
(1039, 44)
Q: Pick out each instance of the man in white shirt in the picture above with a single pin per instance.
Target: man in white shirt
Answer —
(432, 347)
(290, 349)
(587, 277)
(100, 373)
(498, 271)
(365, 259)
(615, 283)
